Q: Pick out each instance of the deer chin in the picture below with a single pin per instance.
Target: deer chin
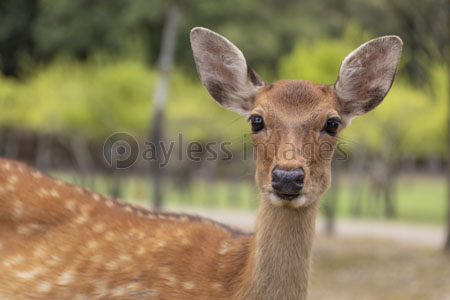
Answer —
(290, 201)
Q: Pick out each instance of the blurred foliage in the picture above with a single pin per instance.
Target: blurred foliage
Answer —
(104, 95)
(87, 67)
(35, 31)
(85, 98)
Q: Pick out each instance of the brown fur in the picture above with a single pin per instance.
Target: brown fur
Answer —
(59, 241)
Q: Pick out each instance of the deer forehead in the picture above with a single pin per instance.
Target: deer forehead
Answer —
(295, 103)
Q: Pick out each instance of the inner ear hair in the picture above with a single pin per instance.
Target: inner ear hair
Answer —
(224, 71)
(367, 74)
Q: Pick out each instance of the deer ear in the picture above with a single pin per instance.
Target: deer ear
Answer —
(366, 75)
(224, 71)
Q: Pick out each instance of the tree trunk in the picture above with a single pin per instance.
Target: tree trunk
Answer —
(165, 62)
(356, 181)
(11, 144)
(330, 203)
(447, 242)
(390, 210)
(447, 58)
(44, 152)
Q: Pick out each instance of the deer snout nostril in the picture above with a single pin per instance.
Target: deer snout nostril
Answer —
(300, 176)
(276, 176)
(288, 182)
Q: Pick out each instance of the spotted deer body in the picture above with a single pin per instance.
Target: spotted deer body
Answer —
(59, 241)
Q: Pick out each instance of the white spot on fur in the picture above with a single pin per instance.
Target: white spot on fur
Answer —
(96, 258)
(140, 251)
(112, 265)
(23, 229)
(7, 166)
(36, 174)
(40, 251)
(109, 236)
(44, 286)
(29, 274)
(129, 209)
(124, 257)
(133, 231)
(85, 209)
(42, 192)
(15, 260)
(79, 190)
(13, 179)
(66, 278)
(92, 245)
(70, 205)
(109, 203)
(54, 260)
(96, 197)
(118, 291)
(218, 286)
(161, 243)
(101, 290)
(10, 188)
(132, 288)
(81, 219)
(171, 280)
(151, 292)
(189, 285)
(54, 193)
(99, 227)
(224, 247)
(18, 209)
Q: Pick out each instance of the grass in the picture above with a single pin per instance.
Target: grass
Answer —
(418, 199)
(372, 269)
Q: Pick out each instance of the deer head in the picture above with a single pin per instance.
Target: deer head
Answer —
(295, 123)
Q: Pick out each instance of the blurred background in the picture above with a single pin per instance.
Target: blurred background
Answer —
(74, 74)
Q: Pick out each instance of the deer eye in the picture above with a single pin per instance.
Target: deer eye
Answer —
(257, 123)
(332, 125)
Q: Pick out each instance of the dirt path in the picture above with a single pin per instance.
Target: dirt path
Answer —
(411, 234)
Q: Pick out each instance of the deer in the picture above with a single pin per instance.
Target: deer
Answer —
(60, 241)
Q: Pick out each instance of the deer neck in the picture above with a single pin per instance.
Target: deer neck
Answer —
(279, 262)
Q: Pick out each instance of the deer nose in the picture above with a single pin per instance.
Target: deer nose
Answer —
(288, 182)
